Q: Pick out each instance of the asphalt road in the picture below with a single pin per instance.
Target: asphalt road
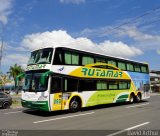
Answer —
(113, 119)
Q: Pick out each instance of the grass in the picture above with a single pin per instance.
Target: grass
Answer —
(12, 95)
(16, 102)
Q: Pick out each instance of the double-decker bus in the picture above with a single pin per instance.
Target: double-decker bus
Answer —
(64, 78)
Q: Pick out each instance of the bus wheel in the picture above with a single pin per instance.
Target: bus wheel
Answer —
(131, 99)
(138, 97)
(75, 105)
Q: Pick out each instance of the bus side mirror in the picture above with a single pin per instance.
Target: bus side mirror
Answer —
(43, 80)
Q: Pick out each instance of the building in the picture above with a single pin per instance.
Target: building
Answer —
(155, 80)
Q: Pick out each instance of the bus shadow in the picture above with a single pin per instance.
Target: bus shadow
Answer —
(111, 105)
(44, 113)
(97, 107)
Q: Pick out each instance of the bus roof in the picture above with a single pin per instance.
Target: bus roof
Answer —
(92, 52)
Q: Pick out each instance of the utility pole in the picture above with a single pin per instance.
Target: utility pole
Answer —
(1, 46)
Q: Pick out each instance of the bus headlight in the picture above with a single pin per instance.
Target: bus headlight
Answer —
(42, 98)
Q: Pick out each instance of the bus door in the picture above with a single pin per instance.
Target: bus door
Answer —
(56, 93)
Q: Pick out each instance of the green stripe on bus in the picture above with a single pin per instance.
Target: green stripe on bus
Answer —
(39, 105)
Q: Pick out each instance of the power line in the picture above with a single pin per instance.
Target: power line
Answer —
(136, 18)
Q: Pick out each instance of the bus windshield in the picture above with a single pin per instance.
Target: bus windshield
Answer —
(42, 56)
(32, 83)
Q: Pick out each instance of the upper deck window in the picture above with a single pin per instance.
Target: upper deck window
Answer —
(130, 67)
(144, 69)
(71, 58)
(112, 62)
(121, 65)
(42, 56)
(137, 68)
(87, 60)
(100, 60)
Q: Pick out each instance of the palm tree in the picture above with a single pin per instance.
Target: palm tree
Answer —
(3, 80)
(14, 71)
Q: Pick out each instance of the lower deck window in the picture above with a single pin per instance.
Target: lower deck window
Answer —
(113, 86)
(73, 84)
(70, 84)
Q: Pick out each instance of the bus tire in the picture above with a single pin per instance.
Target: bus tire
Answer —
(138, 97)
(75, 104)
(5, 105)
(132, 98)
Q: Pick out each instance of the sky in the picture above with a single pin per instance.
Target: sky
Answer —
(122, 28)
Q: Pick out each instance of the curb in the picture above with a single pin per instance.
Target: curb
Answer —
(16, 107)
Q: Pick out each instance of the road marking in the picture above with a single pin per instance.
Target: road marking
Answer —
(12, 112)
(19, 111)
(64, 117)
(127, 129)
(13, 108)
(137, 105)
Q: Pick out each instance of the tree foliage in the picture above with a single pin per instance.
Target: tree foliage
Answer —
(14, 71)
(3, 80)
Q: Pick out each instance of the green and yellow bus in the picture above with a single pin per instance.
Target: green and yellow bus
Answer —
(63, 78)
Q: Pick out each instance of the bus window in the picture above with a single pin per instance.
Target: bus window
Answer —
(123, 85)
(129, 85)
(56, 85)
(67, 57)
(98, 59)
(42, 56)
(32, 58)
(87, 60)
(112, 62)
(144, 69)
(75, 59)
(113, 85)
(58, 58)
(45, 56)
(121, 65)
(137, 68)
(70, 84)
(71, 58)
(130, 67)
(87, 85)
(101, 85)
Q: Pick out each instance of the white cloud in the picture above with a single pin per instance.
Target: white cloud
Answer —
(62, 38)
(72, 1)
(11, 59)
(5, 10)
(17, 49)
(46, 39)
(119, 49)
(144, 41)
(139, 39)
(134, 33)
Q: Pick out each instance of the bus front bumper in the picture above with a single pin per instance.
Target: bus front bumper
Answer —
(38, 105)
